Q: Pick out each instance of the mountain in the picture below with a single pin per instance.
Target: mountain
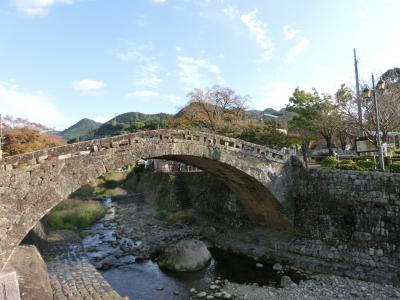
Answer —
(129, 122)
(79, 130)
(267, 113)
(272, 112)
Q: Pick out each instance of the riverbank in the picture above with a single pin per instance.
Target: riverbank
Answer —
(122, 244)
(137, 220)
(72, 276)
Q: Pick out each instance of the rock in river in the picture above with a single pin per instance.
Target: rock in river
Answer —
(184, 255)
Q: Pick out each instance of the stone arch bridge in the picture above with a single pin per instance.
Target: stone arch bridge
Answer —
(32, 184)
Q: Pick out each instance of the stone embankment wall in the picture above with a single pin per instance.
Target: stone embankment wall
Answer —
(33, 278)
(356, 213)
(198, 190)
(345, 222)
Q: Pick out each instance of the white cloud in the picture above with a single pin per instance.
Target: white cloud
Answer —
(230, 11)
(192, 72)
(38, 7)
(159, 1)
(258, 30)
(135, 52)
(144, 93)
(289, 32)
(296, 50)
(276, 95)
(133, 55)
(88, 86)
(147, 76)
(383, 55)
(34, 106)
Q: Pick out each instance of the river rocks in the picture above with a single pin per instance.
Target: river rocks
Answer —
(286, 281)
(105, 264)
(277, 267)
(185, 255)
(214, 287)
(317, 287)
(201, 295)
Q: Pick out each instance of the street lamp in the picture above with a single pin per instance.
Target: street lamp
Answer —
(368, 93)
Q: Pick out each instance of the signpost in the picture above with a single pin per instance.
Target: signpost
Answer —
(363, 145)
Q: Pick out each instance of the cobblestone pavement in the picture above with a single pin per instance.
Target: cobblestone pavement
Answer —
(72, 276)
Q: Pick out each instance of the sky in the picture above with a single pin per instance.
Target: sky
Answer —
(64, 60)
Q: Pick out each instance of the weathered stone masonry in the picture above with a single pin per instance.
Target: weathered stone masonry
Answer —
(32, 184)
(344, 220)
(357, 214)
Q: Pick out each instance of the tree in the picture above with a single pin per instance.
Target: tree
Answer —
(219, 109)
(21, 135)
(315, 115)
(389, 110)
(301, 126)
(267, 133)
(388, 106)
(348, 127)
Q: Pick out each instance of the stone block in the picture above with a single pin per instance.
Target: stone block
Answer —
(9, 288)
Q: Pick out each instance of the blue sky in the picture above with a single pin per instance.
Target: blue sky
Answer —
(62, 60)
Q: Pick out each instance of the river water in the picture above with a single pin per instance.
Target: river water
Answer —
(144, 280)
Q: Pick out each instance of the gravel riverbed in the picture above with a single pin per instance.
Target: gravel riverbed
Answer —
(131, 234)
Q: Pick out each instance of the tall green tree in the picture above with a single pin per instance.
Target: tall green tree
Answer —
(316, 115)
(267, 133)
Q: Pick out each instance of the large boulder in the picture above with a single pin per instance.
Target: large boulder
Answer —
(184, 256)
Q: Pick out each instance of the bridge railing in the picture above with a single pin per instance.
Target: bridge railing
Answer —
(162, 135)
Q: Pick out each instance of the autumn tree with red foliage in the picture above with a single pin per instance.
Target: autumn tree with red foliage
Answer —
(219, 109)
(21, 135)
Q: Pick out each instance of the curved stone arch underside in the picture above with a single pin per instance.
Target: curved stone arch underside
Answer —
(32, 184)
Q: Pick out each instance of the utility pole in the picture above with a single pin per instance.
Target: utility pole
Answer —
(378, 129)
(358, 94)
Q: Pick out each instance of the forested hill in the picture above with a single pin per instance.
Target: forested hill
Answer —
(128, 122)
(79, 130)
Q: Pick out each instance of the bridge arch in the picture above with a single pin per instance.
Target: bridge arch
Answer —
(32, 184)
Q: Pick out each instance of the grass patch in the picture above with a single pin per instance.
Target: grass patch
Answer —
(76, 215)
(108, 184)
(183, 216)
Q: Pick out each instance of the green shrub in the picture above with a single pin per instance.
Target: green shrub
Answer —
(76, 215)
(369, 165)
(109, 184)
(348, 165)
(396, 151)
(395, 167)
(329, 162)
(321, 157)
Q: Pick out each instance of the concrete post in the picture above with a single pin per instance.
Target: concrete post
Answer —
(9, 288)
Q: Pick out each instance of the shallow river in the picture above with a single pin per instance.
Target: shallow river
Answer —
(146, 281)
